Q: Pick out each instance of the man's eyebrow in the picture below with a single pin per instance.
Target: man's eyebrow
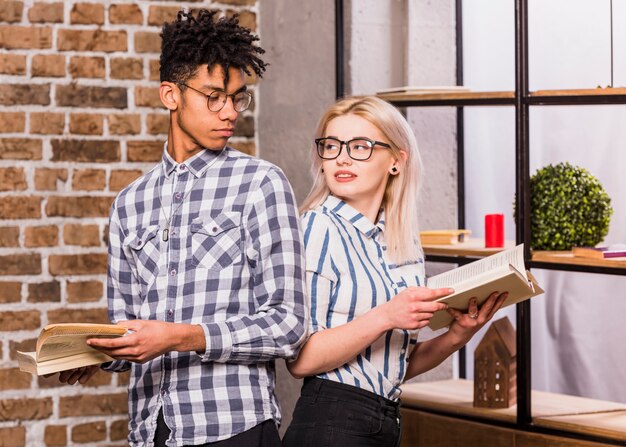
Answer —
(243, 88)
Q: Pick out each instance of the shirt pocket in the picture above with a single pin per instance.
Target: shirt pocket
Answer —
(144, 246)
(216, 241)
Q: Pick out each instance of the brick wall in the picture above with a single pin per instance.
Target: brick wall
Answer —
(80, 118)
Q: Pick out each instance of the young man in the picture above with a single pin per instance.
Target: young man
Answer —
(205, 259)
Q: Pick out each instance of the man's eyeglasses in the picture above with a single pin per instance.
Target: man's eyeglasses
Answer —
(358, 148)
(217, 99)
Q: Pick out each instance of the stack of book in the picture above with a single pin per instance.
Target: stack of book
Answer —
(444, 237)
(606, 252)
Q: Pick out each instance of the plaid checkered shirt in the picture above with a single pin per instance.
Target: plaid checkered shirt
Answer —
(230, 261)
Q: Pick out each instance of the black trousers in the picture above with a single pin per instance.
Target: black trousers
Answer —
(263, 435)
(331, 414)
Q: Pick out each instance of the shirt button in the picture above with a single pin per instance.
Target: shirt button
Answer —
(178, 195)
(214, 230)
(402, 351)
(170, 312)
(183, 167)
(173, 272)
(381, 260)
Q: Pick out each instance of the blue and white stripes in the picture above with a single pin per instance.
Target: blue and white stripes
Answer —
(348, 273)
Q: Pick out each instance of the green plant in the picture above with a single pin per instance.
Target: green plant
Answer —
(569, 207)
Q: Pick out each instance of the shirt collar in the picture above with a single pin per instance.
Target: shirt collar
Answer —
(358, 220)
(197, 165)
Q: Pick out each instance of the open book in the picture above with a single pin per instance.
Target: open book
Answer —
(501, 272)
(63, 346)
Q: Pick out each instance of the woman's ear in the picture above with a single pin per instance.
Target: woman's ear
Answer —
(170, 95)
(398, 163)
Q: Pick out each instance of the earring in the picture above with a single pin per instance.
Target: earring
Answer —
(394, 170)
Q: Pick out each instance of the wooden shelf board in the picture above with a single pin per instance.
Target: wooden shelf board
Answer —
(573, 413)
(472, 247)
(566, 257)
(581, 92)
(445, 96)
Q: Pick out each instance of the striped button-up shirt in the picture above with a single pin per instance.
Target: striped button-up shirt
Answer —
(348, 273)
(230, 261)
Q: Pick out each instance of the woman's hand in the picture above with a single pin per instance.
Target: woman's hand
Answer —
(414, 307)
(465, 325)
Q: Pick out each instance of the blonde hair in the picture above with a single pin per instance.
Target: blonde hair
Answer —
(402, 190)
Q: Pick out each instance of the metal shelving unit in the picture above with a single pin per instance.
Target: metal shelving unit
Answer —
(522, 99)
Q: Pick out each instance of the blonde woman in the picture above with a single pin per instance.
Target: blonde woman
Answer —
(365, 277)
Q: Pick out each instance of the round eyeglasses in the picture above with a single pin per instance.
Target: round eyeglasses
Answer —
(358, 148)
(216, 100)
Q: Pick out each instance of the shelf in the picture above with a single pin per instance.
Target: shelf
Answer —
(473, 247)
(564, 260)
(589, 96)
(560, 411)
(592, 96)
(450, 99)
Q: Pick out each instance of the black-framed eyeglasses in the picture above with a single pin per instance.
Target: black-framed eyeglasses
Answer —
(216, 100)
(358, 148)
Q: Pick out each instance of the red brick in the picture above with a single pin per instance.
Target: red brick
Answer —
(145, 150)
(13, 64)
(158, 123)
(25, 37)
(13, 436)
(87, 14)
(125, 124)
(41, 236)
(89, 432)
(83, 235)
(85, 151)
(239, 2)
(12, 122)
(83, 264)
(48, 65)
(121, 179)
(64, 206)
(155, 67)
(47, 179)
(46, 12)
(12, 179)
(28, 345)
(89, 180)
(125, 14)
(86, 124)
(20, 207)
(44, 292)
(9, 237)
(20, 149)
(98, 405)
(66, 315)
(91, 96)
(126, 68)
(22, 94)
(47, 123)
(146, 42)
(87, 67)
(119, 430)
(11, 11)
(158, 15)
(92, 40)
(123, 379)
(10, 292)
(55, 435)
(148, 97)
(25, 409)
(82, 291)
(247, 19)
(14, 379)
(27, 320)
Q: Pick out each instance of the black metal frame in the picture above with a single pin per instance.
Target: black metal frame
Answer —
(522, 102)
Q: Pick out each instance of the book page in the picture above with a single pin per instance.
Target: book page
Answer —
(480, 269)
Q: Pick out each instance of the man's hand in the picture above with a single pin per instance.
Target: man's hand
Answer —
(81, 375)
(414, 307)
(149, 339)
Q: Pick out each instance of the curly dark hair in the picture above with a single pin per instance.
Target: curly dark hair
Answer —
(191, 41)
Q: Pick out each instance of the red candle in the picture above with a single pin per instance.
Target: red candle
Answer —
(494, 230)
